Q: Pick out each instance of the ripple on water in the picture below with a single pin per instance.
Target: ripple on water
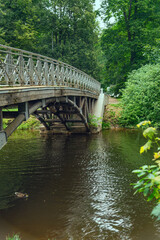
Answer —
(78, 186)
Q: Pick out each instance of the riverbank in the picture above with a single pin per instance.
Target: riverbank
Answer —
(31, 123)
(112, 114)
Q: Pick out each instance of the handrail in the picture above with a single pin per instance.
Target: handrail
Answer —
(23, 68)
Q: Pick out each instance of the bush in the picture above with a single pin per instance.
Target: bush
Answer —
(149, 175)
(141, 97)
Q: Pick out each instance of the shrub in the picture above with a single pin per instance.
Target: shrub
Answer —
(94, 121)
(141, 97)
(149, 175)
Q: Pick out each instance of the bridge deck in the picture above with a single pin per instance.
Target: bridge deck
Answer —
(15, 95)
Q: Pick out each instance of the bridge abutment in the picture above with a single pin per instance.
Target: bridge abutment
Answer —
(99, 107)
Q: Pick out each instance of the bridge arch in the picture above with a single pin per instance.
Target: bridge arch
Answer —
(68, 111)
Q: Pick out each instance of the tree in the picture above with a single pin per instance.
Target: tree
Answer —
(64, 30)
(134, 33)
(70, 34)
(141, 97)
(18, 23)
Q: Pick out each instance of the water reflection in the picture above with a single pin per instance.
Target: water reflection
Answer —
(78, 187)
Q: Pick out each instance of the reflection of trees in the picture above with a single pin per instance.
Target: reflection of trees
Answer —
(79, 185)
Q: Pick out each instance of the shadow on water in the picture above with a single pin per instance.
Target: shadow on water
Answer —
(78, 186)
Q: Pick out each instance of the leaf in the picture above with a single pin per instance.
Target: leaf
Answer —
(146, 147)
(143, 123)
(149, 185)
(149, 132)
(141, 149)
(138, 184)
(156, 211)
(144, 167)
(156, 180)
(141, 174)
(157, 139)
(153, 166)
(146, 191)
(158, 162)
(137, 171)
(151, 196)
(156, 155)
(150, 176)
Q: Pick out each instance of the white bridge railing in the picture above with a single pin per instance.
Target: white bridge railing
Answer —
(23, 68)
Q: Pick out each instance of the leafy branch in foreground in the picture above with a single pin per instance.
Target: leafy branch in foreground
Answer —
(149, 175)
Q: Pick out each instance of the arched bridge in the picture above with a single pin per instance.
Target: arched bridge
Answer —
(54, 92)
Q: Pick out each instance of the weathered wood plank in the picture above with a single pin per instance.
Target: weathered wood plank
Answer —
(10, 96)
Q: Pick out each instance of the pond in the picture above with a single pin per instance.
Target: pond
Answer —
(78, 186)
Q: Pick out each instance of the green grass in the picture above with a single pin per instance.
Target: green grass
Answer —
(14, 237)
(10, 109)
(31, 123)
(115, 104)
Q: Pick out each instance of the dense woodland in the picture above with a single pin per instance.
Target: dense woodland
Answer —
(61, 29)
(68, 30)
(132, 38)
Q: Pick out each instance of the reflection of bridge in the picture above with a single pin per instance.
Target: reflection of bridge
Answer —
(55, 92)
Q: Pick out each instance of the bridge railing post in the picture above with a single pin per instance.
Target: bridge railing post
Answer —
(30, 70)
(9, 65)
(57, 74)
(21, 79)
(38, 70)
(46, 74)
(20, 67)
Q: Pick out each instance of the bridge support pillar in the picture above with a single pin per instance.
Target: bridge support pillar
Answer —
(3, 139)
(24, 108)
(99, 108)
(1, 120)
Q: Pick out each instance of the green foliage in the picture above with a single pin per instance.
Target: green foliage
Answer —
(141, 97)
(149, 176)
(94, 121)
(15, 237)
(111, 115)
(132, 39)
(31, 123)
(106, 125)
(64, 30)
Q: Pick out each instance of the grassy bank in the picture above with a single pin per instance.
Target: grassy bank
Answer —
(31, 123)
(112, 114)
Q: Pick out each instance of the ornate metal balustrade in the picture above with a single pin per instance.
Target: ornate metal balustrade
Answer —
(23, 68)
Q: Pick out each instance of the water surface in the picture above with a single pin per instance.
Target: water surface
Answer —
(78, 186)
